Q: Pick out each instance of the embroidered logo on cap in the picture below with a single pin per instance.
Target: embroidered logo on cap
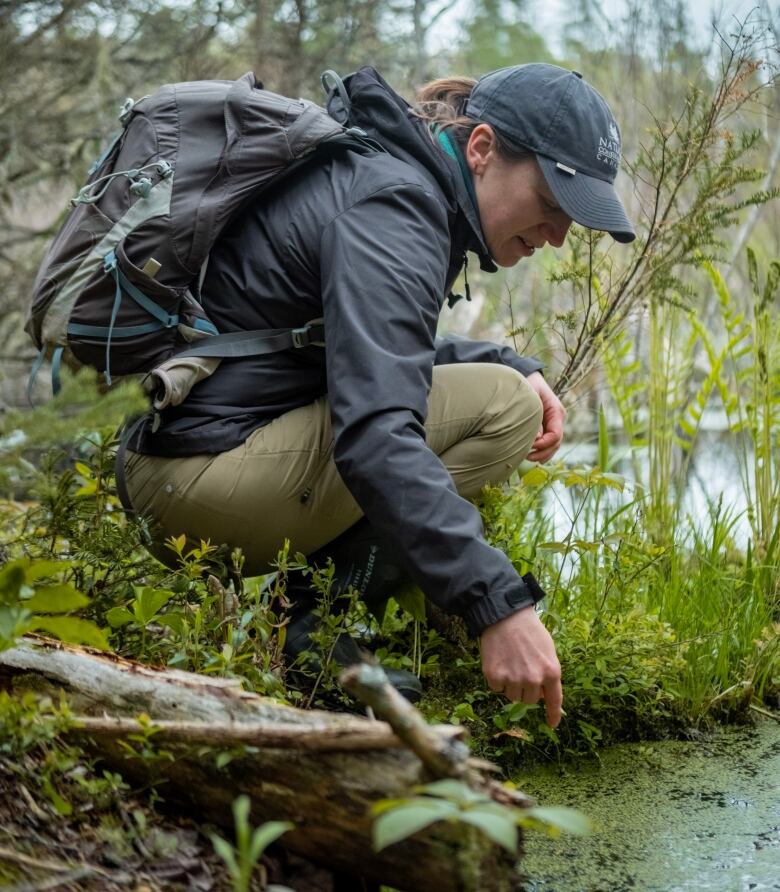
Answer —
(609, 148)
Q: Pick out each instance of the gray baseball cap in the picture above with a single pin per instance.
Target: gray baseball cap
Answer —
(567, 124)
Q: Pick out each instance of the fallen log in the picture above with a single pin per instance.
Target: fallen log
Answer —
(322, 771)
(371, 736)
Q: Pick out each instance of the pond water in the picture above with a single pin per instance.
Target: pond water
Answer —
(668, 817)
(715, 473)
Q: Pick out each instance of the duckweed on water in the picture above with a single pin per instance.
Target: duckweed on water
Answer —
(671, 817)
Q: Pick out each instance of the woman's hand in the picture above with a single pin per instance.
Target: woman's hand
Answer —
(550, 436)
(519, 660)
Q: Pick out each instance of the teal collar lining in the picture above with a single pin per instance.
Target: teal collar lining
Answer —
(453, 150)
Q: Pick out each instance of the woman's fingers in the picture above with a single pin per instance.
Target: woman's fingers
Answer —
(519, 661)
(553, 416)
(553, 702)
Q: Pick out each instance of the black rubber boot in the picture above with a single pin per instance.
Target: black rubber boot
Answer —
(345, 653)
(364, 562)
(361, 560)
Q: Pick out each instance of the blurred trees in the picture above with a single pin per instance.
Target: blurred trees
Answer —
(67, 65)
(499, 33)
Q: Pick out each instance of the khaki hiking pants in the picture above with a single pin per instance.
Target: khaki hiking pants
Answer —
(282, 482)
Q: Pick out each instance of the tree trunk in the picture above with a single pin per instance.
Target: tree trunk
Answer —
(322, 771)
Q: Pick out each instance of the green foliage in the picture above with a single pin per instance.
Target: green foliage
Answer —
(144, 610)
(80, 407)
(658, 629)
(454, 801)
(733, 363)
(31, 740)
(753, 354)
(243, 857)
(29, 604)
(30, 722)
(142, 745)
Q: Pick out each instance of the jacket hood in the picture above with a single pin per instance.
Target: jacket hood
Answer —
(388, 118)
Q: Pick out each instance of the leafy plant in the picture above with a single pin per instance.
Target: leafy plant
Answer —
(142, 745)
(243, 857)
(753, 353)
(28, 603)
(454, 801)
(144, 610)
(32, 741)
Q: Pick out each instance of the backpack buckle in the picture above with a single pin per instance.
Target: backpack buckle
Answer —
(310, 335)
(301, 337)
(126, 111)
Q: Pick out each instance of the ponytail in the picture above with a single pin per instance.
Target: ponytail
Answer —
(442, 104)
(443, 101)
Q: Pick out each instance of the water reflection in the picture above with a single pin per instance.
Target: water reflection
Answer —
(712, 474)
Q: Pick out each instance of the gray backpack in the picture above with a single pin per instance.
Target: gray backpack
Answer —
(119, 287)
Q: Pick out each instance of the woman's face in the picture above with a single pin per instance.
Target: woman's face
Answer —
(516, 207)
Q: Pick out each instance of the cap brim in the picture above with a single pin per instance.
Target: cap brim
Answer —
(588, 201)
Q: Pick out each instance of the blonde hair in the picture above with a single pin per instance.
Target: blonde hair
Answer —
(443, 102)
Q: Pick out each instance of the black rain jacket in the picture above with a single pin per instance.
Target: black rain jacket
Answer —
(373, 244)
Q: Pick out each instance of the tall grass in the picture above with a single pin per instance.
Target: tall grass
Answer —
(663, 619)
(721, 601)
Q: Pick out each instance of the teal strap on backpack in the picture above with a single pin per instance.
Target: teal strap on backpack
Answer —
(56, 364)
(163, 319)
(36, 367)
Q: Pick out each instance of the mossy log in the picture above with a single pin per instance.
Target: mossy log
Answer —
(323, 771)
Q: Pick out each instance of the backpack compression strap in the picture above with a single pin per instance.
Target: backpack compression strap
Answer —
(237, 344)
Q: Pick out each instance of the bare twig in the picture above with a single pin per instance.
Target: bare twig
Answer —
(62, 879)
(765, 712)
(15, 857)
(443, 756)
(66, 873)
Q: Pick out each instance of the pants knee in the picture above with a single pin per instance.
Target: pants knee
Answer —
(521, 417)
(530, 407)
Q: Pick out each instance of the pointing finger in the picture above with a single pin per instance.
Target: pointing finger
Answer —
(553, 703)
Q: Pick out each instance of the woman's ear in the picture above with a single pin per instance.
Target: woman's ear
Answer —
(480, 148)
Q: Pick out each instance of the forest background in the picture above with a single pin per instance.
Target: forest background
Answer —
(665, 608)
(650, 345)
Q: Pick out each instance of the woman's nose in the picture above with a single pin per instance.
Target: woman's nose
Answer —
(555, 229)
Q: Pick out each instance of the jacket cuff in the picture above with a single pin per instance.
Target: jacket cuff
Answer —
(490, 610)
(525, 366)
